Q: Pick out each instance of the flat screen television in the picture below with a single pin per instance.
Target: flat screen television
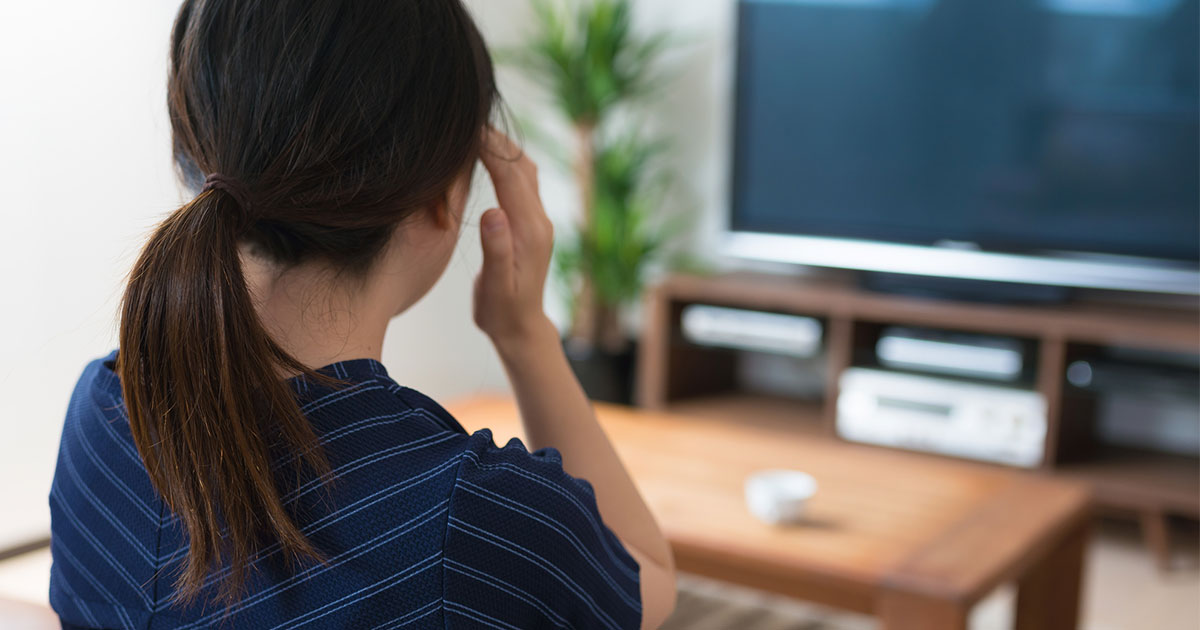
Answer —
(1050, 142)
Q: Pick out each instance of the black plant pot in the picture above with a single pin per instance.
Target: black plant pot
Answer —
(605, 376)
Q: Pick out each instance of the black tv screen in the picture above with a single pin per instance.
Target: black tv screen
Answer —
(1018, 125)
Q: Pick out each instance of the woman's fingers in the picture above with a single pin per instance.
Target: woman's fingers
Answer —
(514, 176)
(496, 239)
(517, 242)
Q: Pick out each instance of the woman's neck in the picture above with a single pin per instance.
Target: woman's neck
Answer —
(317, 320)
(321, 317)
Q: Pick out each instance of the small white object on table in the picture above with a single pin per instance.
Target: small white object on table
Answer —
(778, 497)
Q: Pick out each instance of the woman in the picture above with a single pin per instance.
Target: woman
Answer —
(243, 460)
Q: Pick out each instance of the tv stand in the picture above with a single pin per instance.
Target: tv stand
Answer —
(676, 375)
(964, 290)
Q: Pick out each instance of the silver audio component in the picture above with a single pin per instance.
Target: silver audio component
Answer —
(758, 331)
(938, 415)
(975, 356)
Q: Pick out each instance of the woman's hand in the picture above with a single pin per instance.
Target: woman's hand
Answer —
(517, 243)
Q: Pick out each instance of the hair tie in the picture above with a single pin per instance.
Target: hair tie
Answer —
(231, 186)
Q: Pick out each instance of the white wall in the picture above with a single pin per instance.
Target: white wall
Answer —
(85, 173)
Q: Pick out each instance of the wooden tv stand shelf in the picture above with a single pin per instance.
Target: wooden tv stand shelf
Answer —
(674, 374)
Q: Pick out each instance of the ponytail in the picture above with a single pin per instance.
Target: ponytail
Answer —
(205, 393)
(348, 118)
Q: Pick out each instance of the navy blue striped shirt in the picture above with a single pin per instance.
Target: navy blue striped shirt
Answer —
(425, 527)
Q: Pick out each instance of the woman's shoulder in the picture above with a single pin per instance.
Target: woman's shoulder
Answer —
(100, 375)
(365, 393)
(526, 544)
(95, 403)
(515, 469)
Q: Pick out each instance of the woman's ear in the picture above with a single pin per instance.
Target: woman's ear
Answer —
(452, 206)
(444, 216)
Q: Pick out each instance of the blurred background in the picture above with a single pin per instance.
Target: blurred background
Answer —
(1046, 149)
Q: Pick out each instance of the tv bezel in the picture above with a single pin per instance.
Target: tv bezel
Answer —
(1120, 273)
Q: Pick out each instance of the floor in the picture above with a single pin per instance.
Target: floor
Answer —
(1123, 591)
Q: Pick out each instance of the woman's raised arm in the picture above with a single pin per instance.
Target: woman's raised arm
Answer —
(517, 242)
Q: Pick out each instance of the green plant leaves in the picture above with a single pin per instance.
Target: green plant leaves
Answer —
(588, 57)
(586, 54)
(628, 229)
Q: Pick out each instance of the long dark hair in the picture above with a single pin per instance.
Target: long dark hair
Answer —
(326, 125)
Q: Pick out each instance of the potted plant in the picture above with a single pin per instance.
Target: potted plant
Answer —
(587, 56)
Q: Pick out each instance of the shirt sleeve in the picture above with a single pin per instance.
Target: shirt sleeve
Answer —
(526, 547)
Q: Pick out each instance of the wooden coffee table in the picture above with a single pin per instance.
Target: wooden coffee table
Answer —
(915, 540)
